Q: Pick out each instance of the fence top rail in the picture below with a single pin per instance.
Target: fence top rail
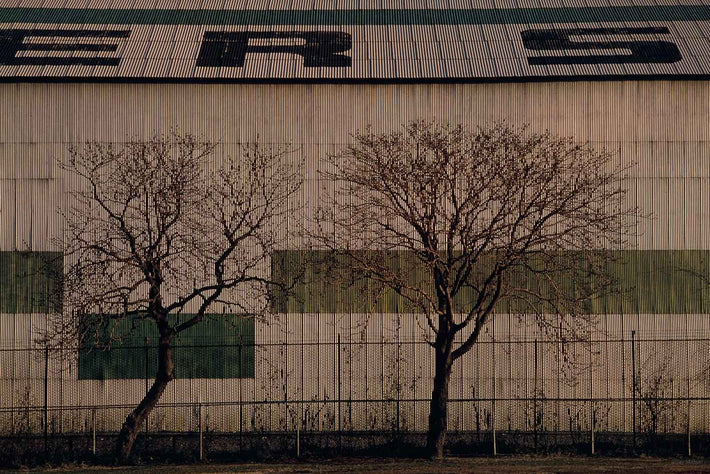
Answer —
(517, 340)
(42, 408)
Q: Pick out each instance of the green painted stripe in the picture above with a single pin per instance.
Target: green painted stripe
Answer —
(30, 282)
(505, 16)
(220, 347)
(649, 281)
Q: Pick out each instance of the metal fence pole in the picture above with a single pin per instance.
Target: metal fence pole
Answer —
(340, 413)
(93, 431)
(633, 385)
(493, 391)
(591, 395)
(687, 380)
(199, 429)
(593, 422)
(147, 341)
(623, 381)
(535, 396)
(241, 397)
(689, 451)
(46, 398)
(399, 382)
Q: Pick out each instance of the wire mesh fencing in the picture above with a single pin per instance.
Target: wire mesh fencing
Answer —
(611, 394)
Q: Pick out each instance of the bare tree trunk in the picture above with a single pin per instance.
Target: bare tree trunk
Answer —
(436, 435)
(133, 422)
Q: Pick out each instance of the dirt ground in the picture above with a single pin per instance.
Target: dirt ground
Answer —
(498, 465)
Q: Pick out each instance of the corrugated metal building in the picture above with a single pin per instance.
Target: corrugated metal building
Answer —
(631, 77)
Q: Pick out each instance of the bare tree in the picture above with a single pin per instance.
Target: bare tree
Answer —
(165, 227)
(494, 217)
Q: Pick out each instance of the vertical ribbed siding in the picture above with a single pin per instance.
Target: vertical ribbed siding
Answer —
(309, 360)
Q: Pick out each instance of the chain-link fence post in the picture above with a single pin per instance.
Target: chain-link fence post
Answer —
(93, 431)
(46, 399)
(633, 386)
(199, 429)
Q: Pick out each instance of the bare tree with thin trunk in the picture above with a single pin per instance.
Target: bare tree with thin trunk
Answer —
(458, 222)
(166, 230)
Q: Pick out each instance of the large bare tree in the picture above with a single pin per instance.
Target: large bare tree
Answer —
(459, 222)
(168, 227)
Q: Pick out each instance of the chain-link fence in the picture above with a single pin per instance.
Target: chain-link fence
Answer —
(610, 394)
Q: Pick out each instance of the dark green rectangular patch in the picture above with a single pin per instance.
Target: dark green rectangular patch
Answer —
(220, 347)
(487, 16)
(30, 282)
(648, 281)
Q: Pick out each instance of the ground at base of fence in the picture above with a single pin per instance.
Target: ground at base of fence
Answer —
(501, 464)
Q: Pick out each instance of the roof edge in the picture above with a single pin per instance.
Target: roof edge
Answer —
(352, 81)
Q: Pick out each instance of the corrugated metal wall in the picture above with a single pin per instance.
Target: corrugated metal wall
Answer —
(370, 371)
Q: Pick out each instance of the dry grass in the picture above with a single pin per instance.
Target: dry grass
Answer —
(517, 464)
